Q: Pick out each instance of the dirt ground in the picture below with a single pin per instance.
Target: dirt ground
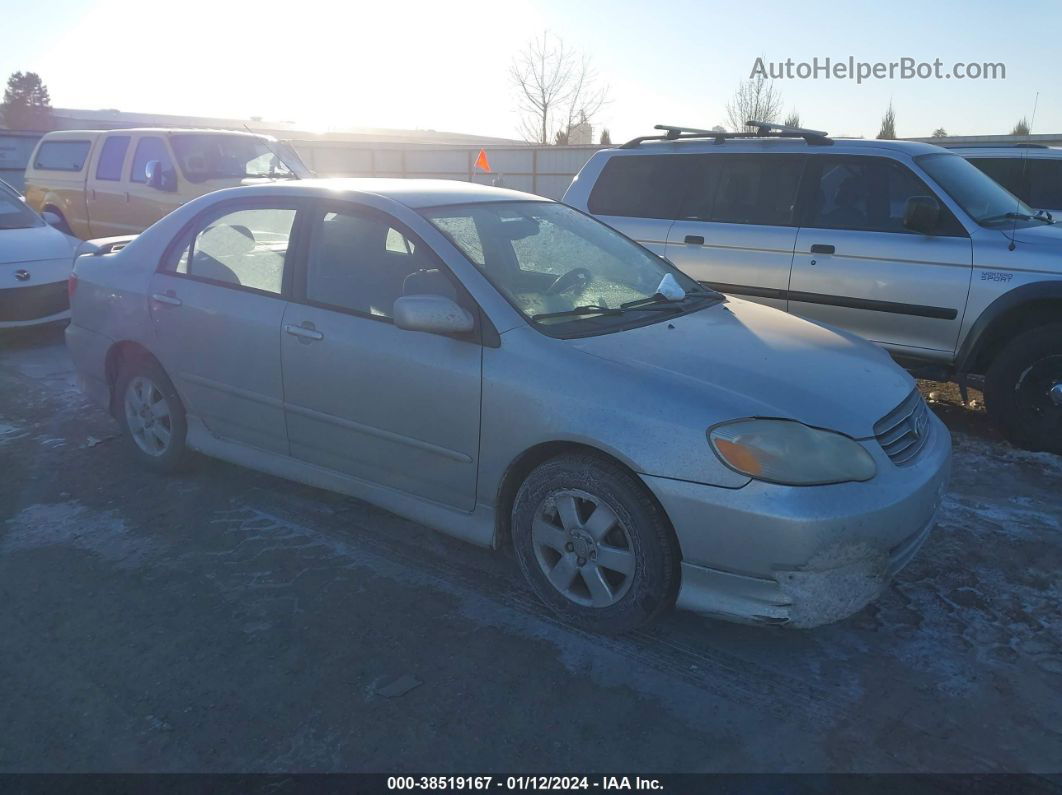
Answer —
(224, 620)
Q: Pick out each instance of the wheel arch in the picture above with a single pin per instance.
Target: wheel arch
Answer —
(524, 463)
(1013, 313)
(117, 356)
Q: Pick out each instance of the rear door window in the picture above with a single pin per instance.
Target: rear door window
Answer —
(112, 158)
(760, 190)
(641, 186)
(62, 155)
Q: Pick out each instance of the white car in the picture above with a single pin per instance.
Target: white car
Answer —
(35, 262)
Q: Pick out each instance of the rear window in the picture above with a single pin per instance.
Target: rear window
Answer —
(642, 186)
(62, 155)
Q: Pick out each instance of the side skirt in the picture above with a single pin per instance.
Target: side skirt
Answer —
(476, 527)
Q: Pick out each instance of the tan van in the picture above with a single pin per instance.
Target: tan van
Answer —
(119, 182)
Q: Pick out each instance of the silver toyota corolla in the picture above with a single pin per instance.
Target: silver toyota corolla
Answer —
(507, 369)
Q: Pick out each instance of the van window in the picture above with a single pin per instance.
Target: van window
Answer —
(62, 155)
(1007, 171)
(148, 149)
(744, 190)
(870, 194)
(112, 156)
(640, 186)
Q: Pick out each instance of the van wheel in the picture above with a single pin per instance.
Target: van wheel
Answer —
(1023, 389)
(152, 415)
(594, 545)
(62, 226)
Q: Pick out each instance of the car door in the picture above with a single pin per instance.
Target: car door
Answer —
(736, 228)
(108, 191)
(392, 407)
(857, 267)
(148, 203)
(217, 303)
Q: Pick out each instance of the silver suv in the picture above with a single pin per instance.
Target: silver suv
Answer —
(906, 244)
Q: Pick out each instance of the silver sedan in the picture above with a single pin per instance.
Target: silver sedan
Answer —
(509, 370)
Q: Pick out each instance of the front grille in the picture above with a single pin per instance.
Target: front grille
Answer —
(30, 303)
(904, 431)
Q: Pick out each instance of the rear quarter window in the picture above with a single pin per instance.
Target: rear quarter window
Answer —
(640, 186)
(61, 156)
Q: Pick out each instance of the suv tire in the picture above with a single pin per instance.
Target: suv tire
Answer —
(1023, 389)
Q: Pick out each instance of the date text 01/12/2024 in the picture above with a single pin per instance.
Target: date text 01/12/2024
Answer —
(518, 783)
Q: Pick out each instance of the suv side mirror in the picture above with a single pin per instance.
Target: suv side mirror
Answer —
(156, 176)
(435, 314)
(921, 214)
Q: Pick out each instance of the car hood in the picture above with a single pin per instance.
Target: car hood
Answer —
(761, 362)
(35, 243)
(1047, 235)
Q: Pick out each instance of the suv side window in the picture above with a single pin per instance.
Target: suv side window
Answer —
(868, 194)
(147, 149)
(360, 262)
(740, 189)
(112, 157)
(1045, 183)
(244, 247)
(641, 186)
(1007, 171)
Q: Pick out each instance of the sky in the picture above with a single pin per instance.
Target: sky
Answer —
(444, 65)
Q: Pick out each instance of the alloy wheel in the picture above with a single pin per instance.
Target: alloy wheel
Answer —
(148, 416)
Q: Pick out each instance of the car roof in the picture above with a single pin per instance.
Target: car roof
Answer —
(413, 193)
(970, 150)
(759, 145)
(155, 130)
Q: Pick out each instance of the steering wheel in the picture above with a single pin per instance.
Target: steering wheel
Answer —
(577, 277)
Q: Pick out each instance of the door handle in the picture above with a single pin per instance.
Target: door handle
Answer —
(694, 240)
(821, 248)
(169, 300)
(303, 332)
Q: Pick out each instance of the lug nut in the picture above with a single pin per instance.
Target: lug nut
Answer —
(570, 546)
(581, 561)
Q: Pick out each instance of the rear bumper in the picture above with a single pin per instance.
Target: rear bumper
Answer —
(803, 556)
(88, 350)
(33, 304)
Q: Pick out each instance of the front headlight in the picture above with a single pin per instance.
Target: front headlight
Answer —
(785, 451)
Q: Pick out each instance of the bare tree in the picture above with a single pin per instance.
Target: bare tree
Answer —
(888, 124)
(1021, 128)
(940, 132)
(557, 88)
(793, 119)
(754, 100)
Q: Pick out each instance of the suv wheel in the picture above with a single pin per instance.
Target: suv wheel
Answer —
(594, 545)
(152, 415)
(1023, 389)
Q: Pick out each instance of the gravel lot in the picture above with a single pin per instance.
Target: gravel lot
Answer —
(225, 620)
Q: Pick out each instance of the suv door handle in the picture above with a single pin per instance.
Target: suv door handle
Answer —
(303, 332)
(694, 240)
(821, 248)
(169, 300)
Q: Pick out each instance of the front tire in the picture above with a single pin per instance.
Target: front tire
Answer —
(1023, 389)
(152, 415)
(594, 545)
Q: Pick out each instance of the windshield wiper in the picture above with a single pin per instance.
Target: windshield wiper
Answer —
(589, 309)
(1013, 217)
(659, 299)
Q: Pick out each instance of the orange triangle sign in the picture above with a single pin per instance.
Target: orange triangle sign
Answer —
(481, 161)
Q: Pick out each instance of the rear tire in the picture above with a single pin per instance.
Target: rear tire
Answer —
(1023, 389)
(152, 415)
(594, 545)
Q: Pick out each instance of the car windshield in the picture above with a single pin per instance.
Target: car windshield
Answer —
(984, 199)
(203, 157)
(14, 214)
(565, 271)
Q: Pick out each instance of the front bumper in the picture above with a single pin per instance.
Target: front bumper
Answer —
(803, 556)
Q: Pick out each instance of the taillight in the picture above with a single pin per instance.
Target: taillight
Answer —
(71, 285)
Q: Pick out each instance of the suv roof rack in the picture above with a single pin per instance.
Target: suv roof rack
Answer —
(995, 146)
(763, 130)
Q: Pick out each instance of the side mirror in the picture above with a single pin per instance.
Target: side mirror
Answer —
(156, 176)
(921, 214)
(435, 314)
(52, 219)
